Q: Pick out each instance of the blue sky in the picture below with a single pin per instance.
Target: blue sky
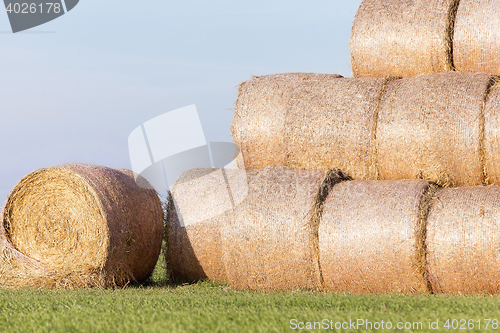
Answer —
(73, 89)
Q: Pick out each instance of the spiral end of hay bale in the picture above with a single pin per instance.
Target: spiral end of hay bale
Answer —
(39, 220)
(79, 226)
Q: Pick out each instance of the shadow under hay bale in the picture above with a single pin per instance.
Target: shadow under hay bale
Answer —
(371, 236)
(183, 262)
(79, 226)
(260, 113)
(402, 38)
(463, 240)
(432, 127)
(476, 39)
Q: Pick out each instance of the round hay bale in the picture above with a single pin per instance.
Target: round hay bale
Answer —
(80, 226)
(402, 38)
(198, 201)
(463, 237)
(492, 135)
(331, 124)
(270, 239)
(476, 41)
(432, 127)
(371, 236)
(259, 117)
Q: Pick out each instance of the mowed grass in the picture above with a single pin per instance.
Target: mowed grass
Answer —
(157, 306)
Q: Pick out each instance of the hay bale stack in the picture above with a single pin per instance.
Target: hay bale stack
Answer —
(199, 201)
(331, 124)
(79, 226)
(260, 113)
(432, 127)
(476, 41)
(402, 38)
(270, 239)
(371, 236)
(463, 240)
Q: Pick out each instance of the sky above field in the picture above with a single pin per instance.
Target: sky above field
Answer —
(73, 89)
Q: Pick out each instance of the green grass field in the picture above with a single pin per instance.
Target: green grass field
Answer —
(157, 306)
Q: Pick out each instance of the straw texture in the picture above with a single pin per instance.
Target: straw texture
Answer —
(79, 226)
(371, 236)
(331, 124)
(402, 38)
(477, 36)
(269, 239)
(492, 135)
(432, 127)
(259, 118)
(199, 200)
(323, 123)
(463, 240)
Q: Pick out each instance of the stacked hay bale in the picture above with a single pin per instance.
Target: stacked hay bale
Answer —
(492, 135)
(266, 241)
(462, 236)
(402, 38)
(462, 241)
(410, 236)
(410, 38)
(430, 127)
(476, 37)
(300, 229)
(412, 139)
(196, 208)
(322, 124)
(332, 124)
(79, 226)
(260, 115)
(270, 241)
(371, 236)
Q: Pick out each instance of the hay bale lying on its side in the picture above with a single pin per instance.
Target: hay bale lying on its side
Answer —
(432, 127)
(463, 240)
(269, 240)
(323, 123)
(476, 41)
(402, 38)
(371, 236)
(17, 269)
(331, 124)
(199, 200)
(440, 127)
(492, 135)
(259, 118)
(79, 226)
